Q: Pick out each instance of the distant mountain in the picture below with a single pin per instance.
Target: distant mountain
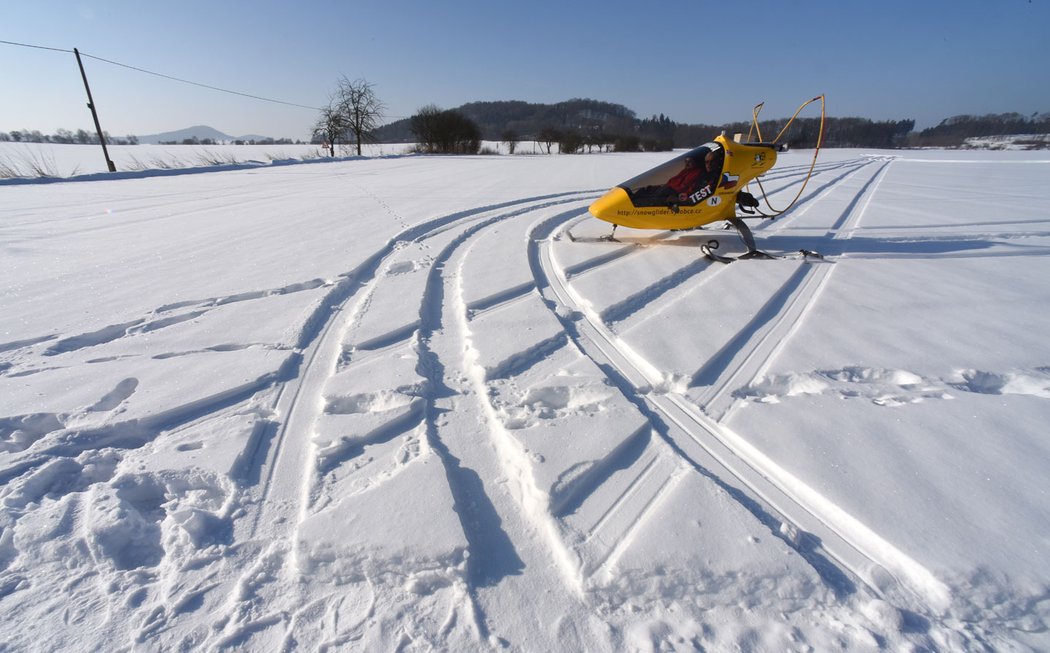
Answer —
(199, 132)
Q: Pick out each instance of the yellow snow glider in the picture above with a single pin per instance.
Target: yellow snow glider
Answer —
(704, 185)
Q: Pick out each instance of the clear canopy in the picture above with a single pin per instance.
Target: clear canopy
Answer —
(681, 180)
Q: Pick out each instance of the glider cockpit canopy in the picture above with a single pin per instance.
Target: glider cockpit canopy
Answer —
(683, 175)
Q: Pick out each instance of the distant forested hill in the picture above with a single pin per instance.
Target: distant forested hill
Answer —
(596, 122)
(528, 119)
(952, 132)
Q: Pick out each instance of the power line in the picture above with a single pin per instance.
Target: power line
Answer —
(38, 47)
(176, 79)
(186, 81)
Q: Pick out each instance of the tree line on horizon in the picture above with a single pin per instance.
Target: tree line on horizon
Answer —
(586, 125)
(955, 130)
(82, 137)
(64, 137)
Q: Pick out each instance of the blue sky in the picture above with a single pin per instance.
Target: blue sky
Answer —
(694, 61)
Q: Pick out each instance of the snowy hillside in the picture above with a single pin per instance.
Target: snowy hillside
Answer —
(388, 404)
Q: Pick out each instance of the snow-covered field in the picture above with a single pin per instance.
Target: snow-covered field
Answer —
(387, 404)
(34, 160)
(52, 160)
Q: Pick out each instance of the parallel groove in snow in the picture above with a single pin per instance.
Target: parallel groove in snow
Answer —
(290, 456)
(856, 547)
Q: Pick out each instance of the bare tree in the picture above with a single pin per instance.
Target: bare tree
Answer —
(331, 127)
(510, 137)
(446, 132)
(360, 107)
(548, 136)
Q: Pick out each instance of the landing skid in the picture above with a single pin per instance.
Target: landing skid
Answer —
(749, 241)
(710, 246)
(611, 238)
(709, 251)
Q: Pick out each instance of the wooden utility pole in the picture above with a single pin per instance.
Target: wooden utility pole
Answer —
(94, 114)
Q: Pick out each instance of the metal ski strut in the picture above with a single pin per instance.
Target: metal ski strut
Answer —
(749, 240)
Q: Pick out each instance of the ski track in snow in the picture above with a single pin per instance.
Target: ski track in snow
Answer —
(817, 528)
(314, 431)
(297, 466)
